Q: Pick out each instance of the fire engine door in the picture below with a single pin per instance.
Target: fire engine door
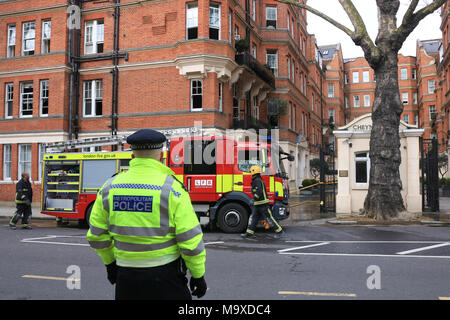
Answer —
(200, 169)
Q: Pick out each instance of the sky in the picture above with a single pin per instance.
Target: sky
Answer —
(326, 33)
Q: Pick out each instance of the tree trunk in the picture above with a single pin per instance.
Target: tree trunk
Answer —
(384, 200)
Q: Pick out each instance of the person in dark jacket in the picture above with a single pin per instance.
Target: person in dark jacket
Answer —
(24, 196)
(261, 208)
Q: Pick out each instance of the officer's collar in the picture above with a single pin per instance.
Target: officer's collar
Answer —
(151, 163)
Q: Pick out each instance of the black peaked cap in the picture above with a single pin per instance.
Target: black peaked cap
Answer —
(146, 139)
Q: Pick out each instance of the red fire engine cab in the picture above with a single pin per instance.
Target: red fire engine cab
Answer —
(215, 172)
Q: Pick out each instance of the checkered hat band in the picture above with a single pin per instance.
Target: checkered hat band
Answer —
(147, 146)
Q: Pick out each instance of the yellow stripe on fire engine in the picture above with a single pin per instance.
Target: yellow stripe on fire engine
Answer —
(279, 188)
(227, 182)
(272, 184)
(219, 182)
(238, 180)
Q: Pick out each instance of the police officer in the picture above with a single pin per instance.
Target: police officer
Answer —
(24, 196)
(145, 230)
(261, 208)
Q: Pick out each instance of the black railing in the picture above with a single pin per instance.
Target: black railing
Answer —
(249, 123)
(261, 70)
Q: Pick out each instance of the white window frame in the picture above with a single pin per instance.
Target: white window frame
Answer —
(41, 160)
(214, 18)
(254, 10)
(11, 41)
(431, 86)
(356, 101)
(31, 36)
(194, 92)
(26, 98)
(405, 98)
(24, 161)
(431, 110)
(94, 93)
(366, 76)
(94, 34)
(45, 42)
(367, 100)
(414, 97)
(220, 96)
(7, 162)
(191, 18)
(365, 159)
(273, 64)
(43, 96)
(271, 12)
(9, 99)
(331, 90)
(403, 74)
(332, 113)
(230, 26)
(406, 118)
(355, 77)
(255, 108)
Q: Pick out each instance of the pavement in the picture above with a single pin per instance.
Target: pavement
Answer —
(304, 211)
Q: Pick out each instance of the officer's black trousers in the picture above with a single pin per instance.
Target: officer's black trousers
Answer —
(166, 282)
(262, 212)
(23, 211)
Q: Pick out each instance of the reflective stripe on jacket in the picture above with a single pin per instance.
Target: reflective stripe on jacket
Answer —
(24, 192)
(259, 191)
(144, 218)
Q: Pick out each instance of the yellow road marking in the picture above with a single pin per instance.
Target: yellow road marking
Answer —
(48, 278)
(324, 294)
(444, 298)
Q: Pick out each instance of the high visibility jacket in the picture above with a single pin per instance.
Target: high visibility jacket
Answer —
(144, 218)
(24, 192)
(259, 190)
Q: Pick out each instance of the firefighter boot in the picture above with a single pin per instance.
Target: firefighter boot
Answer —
(279, 235)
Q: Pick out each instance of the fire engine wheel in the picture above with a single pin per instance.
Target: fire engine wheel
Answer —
(232, 218)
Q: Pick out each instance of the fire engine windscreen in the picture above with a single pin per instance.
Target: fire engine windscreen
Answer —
(248, 158)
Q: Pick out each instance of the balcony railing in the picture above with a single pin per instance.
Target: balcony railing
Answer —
(261, 71)
(249, 123)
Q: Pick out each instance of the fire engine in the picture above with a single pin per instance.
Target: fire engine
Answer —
(213, 169)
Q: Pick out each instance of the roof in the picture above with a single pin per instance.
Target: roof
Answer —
(431, 46)
(329, 51)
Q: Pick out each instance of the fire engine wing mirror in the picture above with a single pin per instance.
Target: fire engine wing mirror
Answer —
(289, 156)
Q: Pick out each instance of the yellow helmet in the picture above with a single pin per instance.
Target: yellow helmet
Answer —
(255, 170)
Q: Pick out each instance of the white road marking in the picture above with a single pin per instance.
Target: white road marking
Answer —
(303, 247)
(217, 242)
(364, 255)
(40, 240)
(323, 294)
(425, 248)
(435, 244)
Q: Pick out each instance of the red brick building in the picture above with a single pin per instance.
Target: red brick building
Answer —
(360, 86)
(79, 69)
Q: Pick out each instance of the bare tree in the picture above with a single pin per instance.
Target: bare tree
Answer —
(383, 200)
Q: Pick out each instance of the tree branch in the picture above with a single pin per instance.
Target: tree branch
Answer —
(410, 11)
(360, 36)
(319, 14)
(411, 20)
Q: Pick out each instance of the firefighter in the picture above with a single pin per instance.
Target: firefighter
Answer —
(144, 228)
(24, 196)
(261, 208)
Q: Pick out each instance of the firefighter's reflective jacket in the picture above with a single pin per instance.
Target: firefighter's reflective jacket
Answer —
(144, 218)
(259, 190)
(24, 192)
